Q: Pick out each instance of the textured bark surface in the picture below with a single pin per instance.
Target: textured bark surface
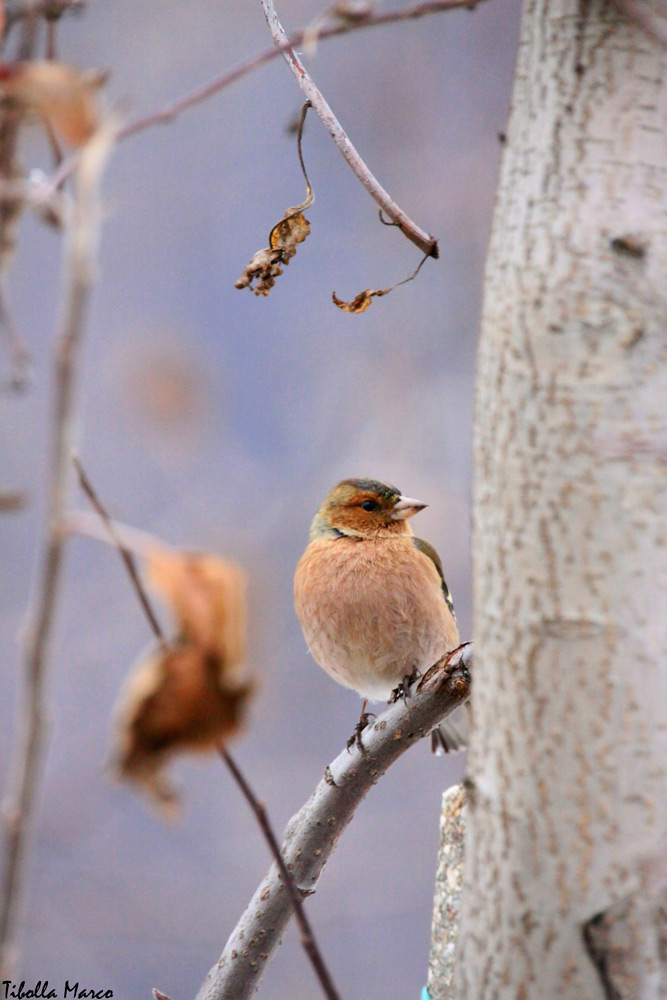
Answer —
(448, 890)
(568, 806)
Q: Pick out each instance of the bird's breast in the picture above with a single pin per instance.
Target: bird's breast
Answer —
(372, 611)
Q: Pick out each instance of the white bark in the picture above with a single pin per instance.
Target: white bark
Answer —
(568, 805)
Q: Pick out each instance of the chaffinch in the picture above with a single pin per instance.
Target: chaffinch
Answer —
(371, 597)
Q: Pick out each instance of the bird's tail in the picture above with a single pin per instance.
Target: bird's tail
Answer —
(452, 735)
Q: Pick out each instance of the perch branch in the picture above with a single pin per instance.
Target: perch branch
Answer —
(167, 113)
(313, 833)
(307, 937)
(427, 244)
(80, 256)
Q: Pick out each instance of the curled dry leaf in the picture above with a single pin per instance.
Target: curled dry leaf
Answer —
(63, 96)
(362, 301)
(191, 693)
(267, 264)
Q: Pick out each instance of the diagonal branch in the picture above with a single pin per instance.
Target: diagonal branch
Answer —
(313, 833)
(80, 256)
(427, 244)
(307, 937)
(171, 111)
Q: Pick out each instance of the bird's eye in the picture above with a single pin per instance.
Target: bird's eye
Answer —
(369, 505)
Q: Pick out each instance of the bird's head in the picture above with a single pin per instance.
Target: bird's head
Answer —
(364, 508)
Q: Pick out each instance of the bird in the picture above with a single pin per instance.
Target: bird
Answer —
(371, 597)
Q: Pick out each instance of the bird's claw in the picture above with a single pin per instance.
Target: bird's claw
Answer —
(402, 689)
(355, 738)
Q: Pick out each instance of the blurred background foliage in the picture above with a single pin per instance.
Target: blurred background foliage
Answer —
(219, 420)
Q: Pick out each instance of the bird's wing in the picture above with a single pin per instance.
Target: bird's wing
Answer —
(431, 554)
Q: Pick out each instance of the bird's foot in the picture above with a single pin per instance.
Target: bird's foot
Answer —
(402, 689)
(355, 738)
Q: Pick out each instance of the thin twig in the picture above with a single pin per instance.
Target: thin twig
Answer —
(80, 256)
(20, 361)
(51, 50)
(169, 112)
(312, 835)
(427, 244)
(123, 551)
(307, 937)
(87, 525)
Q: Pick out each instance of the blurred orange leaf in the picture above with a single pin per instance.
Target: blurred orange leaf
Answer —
(206, 596)
(64, 96)
(191, 693)
(174, 702)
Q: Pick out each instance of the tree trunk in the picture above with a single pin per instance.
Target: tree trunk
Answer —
(567, 822)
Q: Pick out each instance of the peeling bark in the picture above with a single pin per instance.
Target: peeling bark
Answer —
(568, 802)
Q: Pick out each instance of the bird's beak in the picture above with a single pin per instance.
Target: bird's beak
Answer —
(406, 507)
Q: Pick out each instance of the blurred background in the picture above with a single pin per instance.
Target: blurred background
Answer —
(219, 420)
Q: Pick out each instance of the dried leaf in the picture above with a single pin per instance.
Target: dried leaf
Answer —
(266, 265)
(362, 301)
(65, 97)
(174, 702)
(206, 595)
(287, 233)
(192, 693)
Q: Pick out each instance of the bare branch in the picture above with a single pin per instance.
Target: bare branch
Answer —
(427, 244)
(314, 832)
(80, 255)
(307, 936)
(123, 551)
(136, 541)
(17, 351)
(172, 110)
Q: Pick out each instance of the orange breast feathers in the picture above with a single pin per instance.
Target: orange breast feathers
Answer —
(372, 610)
